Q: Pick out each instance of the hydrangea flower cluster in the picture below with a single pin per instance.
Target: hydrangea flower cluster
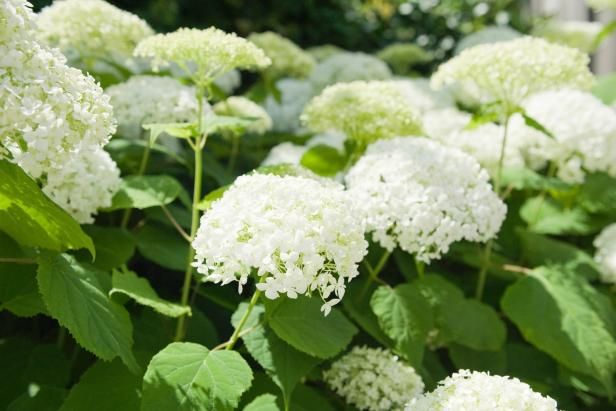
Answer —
(364, 111)
(422, 196)
(584, 129)
(90, 28)
(510, 71)
(374, 379)
(202, 54)
(347, 67)
(423, 97)
(151, 99)
(294, 95)
(491, 34)
(300, 235)
(243, 107)
(440, 123)
(605, 243)
(288, 59)
(578, 34)
(402, 56)
(479, 391)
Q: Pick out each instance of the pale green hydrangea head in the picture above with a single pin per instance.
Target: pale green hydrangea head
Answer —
(288, 60)
(509, 71)
(92, 28)
(243, 107)
(363, 110)
(402, 56)
(581, 35)
(202, 54)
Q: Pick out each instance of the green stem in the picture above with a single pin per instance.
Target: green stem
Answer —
(236, 334)
(551, 173)
(483, 272)
(501, 159)
(142, 166)
(17, 260)
(420, 266)
(373, 273)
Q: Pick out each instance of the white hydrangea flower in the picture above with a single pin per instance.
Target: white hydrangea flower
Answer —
(422, 96)
(491, 34)
(478, 391)
(363, 111)
(287, 58)
(347, 67)
(584, 129)
(602, 4)
(16, 17)
(374, 379)
(605, 256)
(228, 81)
(510, 71)
(243, 107)
(294, 94)
(581, 35)
(439, 124)
(85, 183)
(151, 99)
(299, 235)
(422, 196)
(92, 28)
(203, 55)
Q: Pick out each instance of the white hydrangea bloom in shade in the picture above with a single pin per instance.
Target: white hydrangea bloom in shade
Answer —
(294, 94)
(243, 107)
(584, 129)
(347, 67)
(602, 4)
(439, 124)
(364, 111)
(92, 28)
(85, 183)
(492, 34)
(151, 99)
(287, 58)
(374, 379)
(479, 391)
(299, 235)
(605, 256)
(578, 34)
(423, 196)
(203, 55)
(512, 70)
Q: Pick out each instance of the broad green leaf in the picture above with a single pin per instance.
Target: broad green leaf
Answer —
(105, 387)
(178, 130)
(265, 402)
(301, 323)
(187, 376)
(324, 160)
(47, 365)
(474, 325)
(561, 314)
(530, 365)
(163, 245)
(77, 297)
(598, 193)
(405, 316)
(306, 398)
(38, 398)
(356, 304)
(19, 292)
(114, 246)
(213, 123)
(140, 290)
(521, 178)
(546, 216)
(605, 88)
(463, 357)
(207, 201)
(31, 218)
(145, 191)
(283, 363)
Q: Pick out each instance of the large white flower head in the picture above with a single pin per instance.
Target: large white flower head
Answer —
(488, 35)
(584, 129)
(300, 235)
(581, 35)
(478, 391)
(92, 28)
(509, 71)
(288, 60)
(422, 96)
(85, 183)
(402, 56)
(16, 18)
(202, 54)
(294, 94)
(422, 196)
(374, 379)
(347, 67)
(605, 256)
(151, 99)
(363, 110)
(243, 107)
(440, 123)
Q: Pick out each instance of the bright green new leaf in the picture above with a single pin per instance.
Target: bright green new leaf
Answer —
(31, 218)
(546, 216)
(324, 160)
(178, 130)
(188, 376)
(77, 297)
(265, 402)
(206, 202)
(145, 191)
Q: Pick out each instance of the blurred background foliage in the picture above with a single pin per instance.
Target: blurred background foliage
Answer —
(364, 25)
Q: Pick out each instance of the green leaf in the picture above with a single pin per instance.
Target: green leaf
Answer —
(77, 297)
(105, 387)
(187, 376)
(140, 290)
(484, 116)
(530, 365)
(522, 178)
(145, 191)
(213, 123)
(308, 399)
(605, 32)
(31, 218)
(474, 325)
(533, 123)
(114, 246)
(561, 314)
(47, 365)
(201, 330)
(405, 316)
(283, 363)
(598, 193)
(354, 302)
(207, 201)
(178, 130)
(265, 402)
(324, 160)
(163, 245)
(14, 357)
(605, 88)
(19, 290)
(38, 398)
(300, 323)
(546, 216)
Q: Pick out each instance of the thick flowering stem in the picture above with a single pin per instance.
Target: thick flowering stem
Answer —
(236, 334)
